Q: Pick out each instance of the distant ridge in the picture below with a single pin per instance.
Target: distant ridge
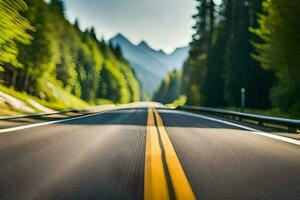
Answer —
(150, 65)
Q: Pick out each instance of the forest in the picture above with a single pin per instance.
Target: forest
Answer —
(250, 44)
(41, 51)
(169, 90)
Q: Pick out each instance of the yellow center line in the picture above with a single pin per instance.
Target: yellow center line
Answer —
(181, 185)
(155, 182)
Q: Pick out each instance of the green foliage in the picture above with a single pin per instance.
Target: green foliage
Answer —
(38, 58)
(13, 30)
(279, 28)
(63, 56)
(213, 87)
(241, 70)
(169, 89)
(103, 102)
(18, 95)
(178, 102)
(59, 98)
(195, 68)
(221, 61)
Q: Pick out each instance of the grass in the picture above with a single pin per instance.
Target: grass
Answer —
(6, 110)
(58, 99)
(178, 102)
(104, 101)
(18, 95)
(61, 100)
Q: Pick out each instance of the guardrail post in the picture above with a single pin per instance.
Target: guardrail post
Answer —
(292, 129)
(243, 91)
(260, 123)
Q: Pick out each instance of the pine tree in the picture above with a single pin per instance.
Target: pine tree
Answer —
(213, 88)
(241, 70)
(13, 30)
(38, 57)
(221, 61)
(63, 56)
(195, 68)
(279, 29)
(169, 89)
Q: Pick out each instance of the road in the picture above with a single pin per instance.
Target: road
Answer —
(145, 153)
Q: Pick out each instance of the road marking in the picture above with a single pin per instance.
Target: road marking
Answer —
(252, 130)
(7, 130)
(181, 185)
(155, 182)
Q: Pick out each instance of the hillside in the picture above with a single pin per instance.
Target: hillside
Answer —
(150, 65)
(169, 89)
(52, 61)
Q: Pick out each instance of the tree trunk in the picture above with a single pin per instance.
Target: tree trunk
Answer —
(14, 78)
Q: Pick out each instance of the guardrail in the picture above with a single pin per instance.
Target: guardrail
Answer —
(37, 114)
(292, 125)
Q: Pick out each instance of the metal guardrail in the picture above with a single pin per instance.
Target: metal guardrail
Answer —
(262, 120)
(37, 114)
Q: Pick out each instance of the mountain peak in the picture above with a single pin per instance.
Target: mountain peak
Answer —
(119, 36)
(144, 44)
(161, 51)
(150, 65)
(121, 40)
(180, 49)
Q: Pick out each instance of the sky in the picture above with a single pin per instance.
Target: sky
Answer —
(163, 24)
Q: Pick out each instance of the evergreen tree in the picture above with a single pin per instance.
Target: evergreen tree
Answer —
(63, 56)
(169, 89)
(58, 6)
(241, 70)
(213, 88)
(195, 68)
(221, 61)
(13, 30)
(38, 58)
(92, 33)
(279, 29)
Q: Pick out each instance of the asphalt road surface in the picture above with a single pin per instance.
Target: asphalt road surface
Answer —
(145, 153)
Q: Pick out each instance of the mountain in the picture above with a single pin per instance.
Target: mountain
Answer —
(172, 61)
(176, 59)
(150, 65)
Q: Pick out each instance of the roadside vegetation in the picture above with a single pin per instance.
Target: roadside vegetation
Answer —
(46, 58)
(251, 44)
(169, 90)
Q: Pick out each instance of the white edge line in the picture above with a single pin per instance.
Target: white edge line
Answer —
(7, 130)
(255, 131)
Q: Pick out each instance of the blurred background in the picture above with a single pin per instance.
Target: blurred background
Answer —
(57, 55)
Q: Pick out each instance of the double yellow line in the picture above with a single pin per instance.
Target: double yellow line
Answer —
(155, 183)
